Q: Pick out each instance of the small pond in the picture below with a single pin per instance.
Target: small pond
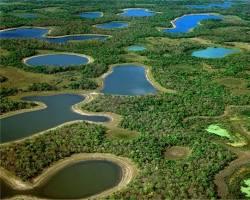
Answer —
(57, 60)
(112, 25)
(136, 48)
(137, 12)
(186, 23)
(58, 111)
(91, 15)
(128, 79)
(214, 52)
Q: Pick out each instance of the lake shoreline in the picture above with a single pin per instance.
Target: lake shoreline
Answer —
(129, 171)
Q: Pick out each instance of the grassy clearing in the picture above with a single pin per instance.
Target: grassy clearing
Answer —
(217, 130)
(22, 79)
(177, 152)
(246, 188)
(4, 52)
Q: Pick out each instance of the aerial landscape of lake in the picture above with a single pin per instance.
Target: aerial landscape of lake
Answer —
(124, 99)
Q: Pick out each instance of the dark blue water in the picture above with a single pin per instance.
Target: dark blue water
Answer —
(187, 22)
(91, 15)
(137, 12)
(112, 25)
(213, 52)
(224, 5)
(58, 111)
(40, 33)
(57, 60)
(128, 80)
(23, 33)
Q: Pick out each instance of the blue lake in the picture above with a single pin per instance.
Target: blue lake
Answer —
(58, 111)
(57, 60)
(40, 33)
(136, 48)
(137, 12)
(186, 23)
(129, 79)
(112, 25)
(214, 52)
(91, 15)
(224, 5)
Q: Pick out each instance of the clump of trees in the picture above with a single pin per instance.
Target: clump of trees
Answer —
(41, 87)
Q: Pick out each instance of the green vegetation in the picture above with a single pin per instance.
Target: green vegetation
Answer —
(216, 129)
(246, 187)
(205, 90)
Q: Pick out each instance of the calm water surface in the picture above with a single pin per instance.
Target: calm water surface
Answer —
(79, 180)
(128, 80)
(136, 48)
(91, 15)
(214, 52)
(40, 33)
(187, 22)
(137, 12)
(112, 25)
(57, 60)
(58, 111)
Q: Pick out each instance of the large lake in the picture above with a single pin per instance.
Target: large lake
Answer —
(58, 111)
(57, 60)
(186, 23)
(128, 79)
(41, 33)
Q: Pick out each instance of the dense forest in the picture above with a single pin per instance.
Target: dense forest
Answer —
(202, 87)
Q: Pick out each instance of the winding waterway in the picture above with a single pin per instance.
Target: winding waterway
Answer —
(58, 111)
(41, 34)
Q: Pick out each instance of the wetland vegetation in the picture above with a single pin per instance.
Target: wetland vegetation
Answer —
(188, 140)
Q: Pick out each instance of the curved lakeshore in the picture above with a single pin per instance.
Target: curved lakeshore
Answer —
(148, 76)
(174, 28)
(91, 14)
(128, 169)
(85, 59)
(137, 12)
(43, 34)
(20, 131)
